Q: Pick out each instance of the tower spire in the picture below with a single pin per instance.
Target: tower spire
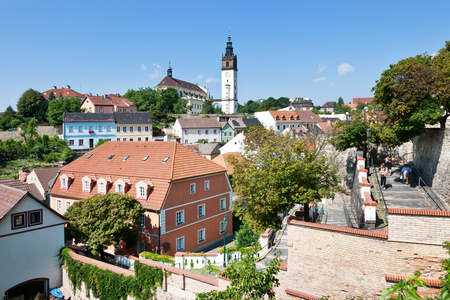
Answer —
(169, 70)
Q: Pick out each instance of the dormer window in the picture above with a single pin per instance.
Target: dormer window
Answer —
(86, 186)
(63, 182)
(66, 180)
(277, 118)
(119, 188)
(283, 118)
(101, 187)
(141, 192)
(121, 185)
(143, 189)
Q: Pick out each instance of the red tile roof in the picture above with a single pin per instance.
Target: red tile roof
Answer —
(222, 160)
(9, 197)
(180, 163)
(295, 116)
(173, 82)
(64, 92)
(23, 186)
(199, 123)
(362, 100)
(109, 100)
(45, 175)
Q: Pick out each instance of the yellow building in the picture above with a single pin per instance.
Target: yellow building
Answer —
(135, 126)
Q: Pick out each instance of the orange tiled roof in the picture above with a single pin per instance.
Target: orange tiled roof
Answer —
(180, 163)
(362, 100)
(64, 92)
(295, 116)
(9, 197)
(109, 100)
(222, 160)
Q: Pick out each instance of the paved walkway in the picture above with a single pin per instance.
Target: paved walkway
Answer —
(399, 195)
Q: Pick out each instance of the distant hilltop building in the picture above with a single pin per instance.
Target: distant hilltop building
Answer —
(64, 92)
(229, 80)
(193, 93)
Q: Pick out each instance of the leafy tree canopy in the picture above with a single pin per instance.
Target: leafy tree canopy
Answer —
(247, 282)
(103, 220)
(270, 103)
(415, 92)
(32, 104)
(340, 108)
(57, 107)
(209, 108)
(245, 237)
(164, 100)
(275, 173)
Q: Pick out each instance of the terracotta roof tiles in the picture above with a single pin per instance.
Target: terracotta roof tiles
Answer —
(199, 123)
(171, 82)
(9, 197)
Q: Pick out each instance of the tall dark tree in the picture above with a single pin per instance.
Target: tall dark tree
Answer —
(57, 107)
(32, 104)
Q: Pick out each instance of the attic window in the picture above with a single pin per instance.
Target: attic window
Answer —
(145, 158)
(166, 159)
(89, 156)
(125, 158)
(111, 156)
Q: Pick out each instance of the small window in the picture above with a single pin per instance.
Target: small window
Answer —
(124, 128)
(111, 156)
(89, 156)
(35, 217)
(223, 204)
(124, 139)
(80, 128)
(206, 131)
(91, 129)
(145, 158)
(70, 129)
(118, 139)
(63, 182)
(131, 129)
(186, 141)
(125, 158)
(180, 217)
(19, 220)
(146, 128)
(80, 142)
(146, 139)
(199, 131)
(201, 210)
(141, 192)
(192, 188)
(71, 142)
(201, 235)
(224, 134)
(118, 129)
(140, 247)
(215, 131)
(141, 222)
(139, 139)
(68, 204)
(185, 132)
(131, 140)
(180, 243)
(206, 185)
(101, 187)
(223, 227)
(166, 159)
(139, 128)
(86, 186)
(108, 128)
(119, 188)
(58, 205)
(100, 128)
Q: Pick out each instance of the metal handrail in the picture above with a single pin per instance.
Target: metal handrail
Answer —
(381, 196)
(347, 217)
(439, 205)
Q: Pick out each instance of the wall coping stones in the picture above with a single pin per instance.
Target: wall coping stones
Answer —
(396, 278)
(302, 295)
(369, 233)
(418, 212)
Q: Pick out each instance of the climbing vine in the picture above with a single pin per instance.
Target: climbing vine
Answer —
(158, 257)
(105, 284)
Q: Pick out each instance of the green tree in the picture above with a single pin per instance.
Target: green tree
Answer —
(32, 104)
(340, 108)
(209, 108)
(415, 92)
(275, 173)
(144, 99)
(104, 220)
(245, 237)
(101, 142)
(57, 107)
(246, 281)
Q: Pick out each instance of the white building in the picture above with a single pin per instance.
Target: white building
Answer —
(192, 130)
(229, 80)
(31, 235)
(280, 120)
(235, 145)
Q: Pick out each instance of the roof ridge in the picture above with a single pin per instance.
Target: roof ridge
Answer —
(173, 163)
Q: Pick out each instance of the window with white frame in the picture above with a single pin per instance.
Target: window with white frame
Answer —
(146, 138)
(206, 131)
(223, 204)
(80, 142)
(71, 142)
(180, 217)
(108, 128)
(201, 235)
(206, 185)
(201, 210)
(124, 139)
(118, 139)
(100, 128)
(139, 128)
(139, 139)
(199, 131)
(215, 131)
(142, 191)
(192, 189)
(131, 128)
(223, 227)
(91, 128)
(70, 129)
(80, 128)
(146, 128)
(186, 141)
(124, 128)
(118, 128)
(86, 185)
(58, 205)
(101, 187)
(180, 243)
(64, 182)
(185, 132)
(68, 203)
(119, 188)
(140, 247)
(141, 222)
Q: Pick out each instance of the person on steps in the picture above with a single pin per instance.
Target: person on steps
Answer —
(383, 174)
(389, 163)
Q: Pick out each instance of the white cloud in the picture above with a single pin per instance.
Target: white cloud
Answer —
(196, 79)
(345, 68)
(319, 79)
(212, 80)
(143, 67)
(321, 68)
(156, 71)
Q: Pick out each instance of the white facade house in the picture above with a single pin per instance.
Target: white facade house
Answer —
(31, 235)
(280, 120)
(234, 145)
(192, 130)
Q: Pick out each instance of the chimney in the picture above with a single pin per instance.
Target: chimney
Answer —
(54, 87)
(68, 87)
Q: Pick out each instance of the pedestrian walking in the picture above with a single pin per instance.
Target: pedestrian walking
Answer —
(383, 174)
(389, 164)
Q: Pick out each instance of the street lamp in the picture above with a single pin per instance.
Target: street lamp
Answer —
(225, 221)
(369, 133)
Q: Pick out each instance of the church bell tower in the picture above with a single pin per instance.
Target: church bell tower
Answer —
(229, 80)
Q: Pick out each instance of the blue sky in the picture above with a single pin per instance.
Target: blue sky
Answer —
(315, 49)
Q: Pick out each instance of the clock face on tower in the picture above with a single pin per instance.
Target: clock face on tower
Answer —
(227, 74)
